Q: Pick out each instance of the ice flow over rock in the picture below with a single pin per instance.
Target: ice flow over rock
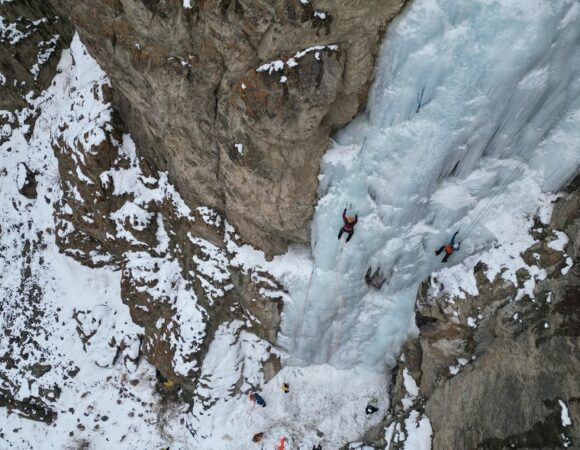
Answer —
(497, 75)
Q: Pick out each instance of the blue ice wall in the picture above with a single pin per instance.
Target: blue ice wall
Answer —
(496, 75)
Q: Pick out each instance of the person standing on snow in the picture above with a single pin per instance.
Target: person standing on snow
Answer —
(349, 223)
(449, 248)
(255, 397)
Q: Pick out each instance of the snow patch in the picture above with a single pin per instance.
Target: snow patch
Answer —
(560, 242)
(108, 406)
(419, 432)
(324, 406)
(569, 264)
(471, 322)
(278, 65)
(210, 216)
(564, 416)
(47, 48)
(411, 389)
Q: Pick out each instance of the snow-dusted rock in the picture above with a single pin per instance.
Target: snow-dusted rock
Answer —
(32, 36)
(177, 275)
(188, 90)
(493, 361)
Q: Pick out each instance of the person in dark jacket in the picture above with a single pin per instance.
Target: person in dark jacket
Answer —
(370, 409)
(449, 248)
(348, 227)
(255, 397)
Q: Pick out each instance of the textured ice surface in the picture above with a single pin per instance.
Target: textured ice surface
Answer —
(497, 74)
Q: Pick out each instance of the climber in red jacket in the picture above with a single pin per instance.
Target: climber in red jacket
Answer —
(449, 248)
(349, 223)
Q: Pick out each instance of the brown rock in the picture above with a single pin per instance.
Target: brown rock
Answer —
(178, 75)
(33, 26)
(498, 385)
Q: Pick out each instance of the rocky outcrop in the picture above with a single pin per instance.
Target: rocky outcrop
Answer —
(177, 274)
(32, 36)
(71, 177)
(236, 98)
(500, 369)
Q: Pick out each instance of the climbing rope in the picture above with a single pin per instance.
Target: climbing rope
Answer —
(519, 167)
(341, 302)
(249, 412)
(307, 296)
(305, 303)
(338, 278)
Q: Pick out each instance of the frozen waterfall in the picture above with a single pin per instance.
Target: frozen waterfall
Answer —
(496, 74)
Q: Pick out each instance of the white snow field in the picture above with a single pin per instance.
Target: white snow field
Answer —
(497, 76)
(104, 401)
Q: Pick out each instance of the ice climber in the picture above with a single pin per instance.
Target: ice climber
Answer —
(449, 248)
(255, 397)
(349, 223)
(286, 388)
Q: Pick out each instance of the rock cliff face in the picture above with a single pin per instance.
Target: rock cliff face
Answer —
(116, 210)
(236, 98)
(73, 183)
(500, 369)
(32, 36)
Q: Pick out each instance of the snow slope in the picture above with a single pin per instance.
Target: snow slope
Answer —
(497, 76)
(101, 399)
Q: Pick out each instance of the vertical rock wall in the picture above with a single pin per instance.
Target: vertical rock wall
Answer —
(243, 141)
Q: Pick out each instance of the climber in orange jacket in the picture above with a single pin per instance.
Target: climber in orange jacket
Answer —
(449, 248)
(348, 227)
